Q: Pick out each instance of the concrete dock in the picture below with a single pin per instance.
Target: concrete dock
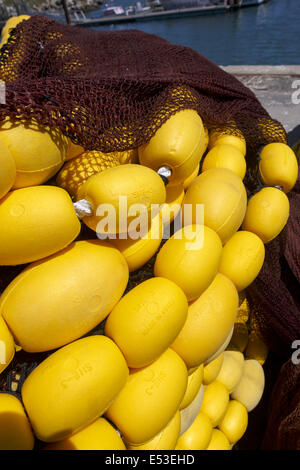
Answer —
(276, 87)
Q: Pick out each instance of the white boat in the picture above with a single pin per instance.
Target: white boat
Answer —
(165, 9)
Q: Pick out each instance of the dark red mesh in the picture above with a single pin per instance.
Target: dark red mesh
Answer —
(112, 90)
(274, 296)
(283, 425)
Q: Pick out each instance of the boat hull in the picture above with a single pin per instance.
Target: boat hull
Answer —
(153, 16)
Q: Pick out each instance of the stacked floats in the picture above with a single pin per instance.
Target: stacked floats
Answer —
(168, 373)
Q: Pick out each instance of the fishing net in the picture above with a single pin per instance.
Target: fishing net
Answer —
(283, 424)
(274, 296)
(111, 91)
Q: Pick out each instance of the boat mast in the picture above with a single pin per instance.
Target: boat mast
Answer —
(66, 10)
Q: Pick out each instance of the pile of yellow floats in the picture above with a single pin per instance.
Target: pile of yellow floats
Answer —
(176, 367)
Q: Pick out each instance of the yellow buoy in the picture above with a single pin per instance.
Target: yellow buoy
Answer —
(122, 198)
(36, 222)
(231, 370)
(190, 258)
(15, 430)
(138, 252)
(74, 150)
(165, 440)
(194, 384)
(225, 156)
(7, 170)
(215, 402)
(99, 435)
(146, 320)
(235, 421)
(223, 197)
(12, 22)
(221, 138)
(267, 213)
(250, 388)
(39, 152)
(73, 387)
(222, 348)
(206, 138)
(209, 321)
(150, 398)
(191, 178)
(218, 441)
(278, 166)
(178, 144)
(211, 369)
(7, 346)
(172, 206)
(190, 412)
(70, 289)
(197, 436)
(88, 163)
(242, 258)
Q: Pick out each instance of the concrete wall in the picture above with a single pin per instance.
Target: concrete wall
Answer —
(273, 86)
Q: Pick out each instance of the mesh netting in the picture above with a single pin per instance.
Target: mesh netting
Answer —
(112, 90)
(274, 296)
(283, 425)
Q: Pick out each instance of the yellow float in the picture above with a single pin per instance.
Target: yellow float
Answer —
(71, 295)
(235, 421)
(146, 320)
(99, 435)
(223, 198)
(165, 440)
(15, 430)
(38, 151)
(267, 213)
(7, 346)
(178, 145)
(209, 321)
(7, 170)
(73, 387)
(35, 222)
(190, 258)
(278, 166)
(242, 258)
(225, 156)
(150, 398)
(122, 198)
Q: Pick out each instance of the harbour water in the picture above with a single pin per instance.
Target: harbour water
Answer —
(265, 35)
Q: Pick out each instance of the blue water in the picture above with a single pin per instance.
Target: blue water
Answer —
(265, 35)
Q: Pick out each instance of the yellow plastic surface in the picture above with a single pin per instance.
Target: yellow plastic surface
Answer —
(73, 387)
(190, 258)
(178, 144)
(36, 222)
(242, 258)
(150, 398)
(210, 320)
(73, 291)
(267, 213)
(15, 430)
(224, 198)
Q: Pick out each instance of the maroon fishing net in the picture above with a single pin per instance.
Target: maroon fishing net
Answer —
(283, 424)
(111, 91)
(274, 296)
